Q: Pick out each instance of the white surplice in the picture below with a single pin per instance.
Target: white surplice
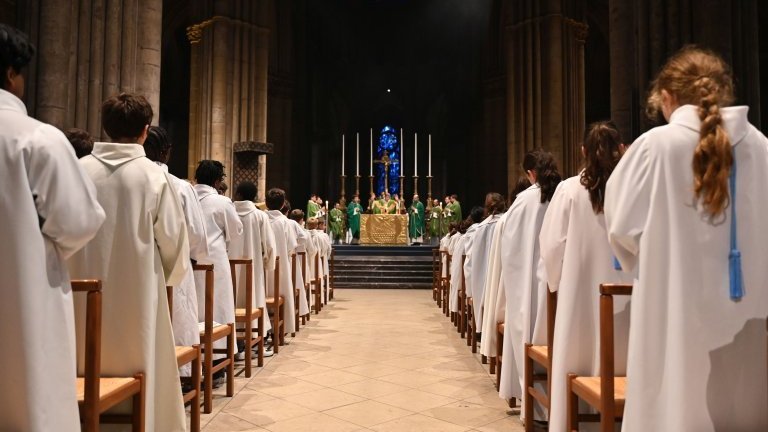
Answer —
(222, 226)
(49, 211)
(304, 244)
(522, 286)
(493, 301)
(257, 243)
(141, 248)
(457, 251)
(476, 266)
(443, 258)
(577, 259)
(696, 359)
(285, 244)
(185, 308)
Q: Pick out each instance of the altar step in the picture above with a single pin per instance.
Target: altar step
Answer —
(382, 266)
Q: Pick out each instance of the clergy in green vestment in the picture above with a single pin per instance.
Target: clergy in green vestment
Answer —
(391, 205)
(354, 209)
(379, 205)
(436, 220)
(336, 223)
(312, 207)
(416, 221)
(456, 208)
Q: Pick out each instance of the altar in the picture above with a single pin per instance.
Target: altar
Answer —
(384, 229)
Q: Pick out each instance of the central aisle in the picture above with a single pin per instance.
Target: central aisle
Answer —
(382, 360)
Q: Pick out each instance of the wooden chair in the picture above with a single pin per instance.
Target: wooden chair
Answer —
(316, 285)
(436, 274)
(606, 392)
(307, 285)
(208, 336)
(461, 315)
(327, 291)
(471, 325)
(329, 279)
(331, 274)
(189, 355)
(441, 279)
(245, 316)
(542, 355)
(446, 291)
(276, 307)
(96, 394)
(296, 293)
(496, 364)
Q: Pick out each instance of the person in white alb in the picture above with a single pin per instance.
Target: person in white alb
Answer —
(577, 259)
(186, 331)
(141, 248)
(285, 242)
(50, 212)
(685, 209)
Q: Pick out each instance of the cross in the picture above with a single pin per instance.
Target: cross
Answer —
(386, 161)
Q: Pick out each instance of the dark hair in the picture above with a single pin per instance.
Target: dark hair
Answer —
(15, 51)
(454, 196)
(81, 141)
(157, 146)
(522, 184)
(246, 191)
(494, 204)
(543, 164)
(464, 225)
(208, 172)
(602, 152)
(275, 199)
(296, 214)
(476, 215)
(453, 227)
(286, 207)
(125, 116)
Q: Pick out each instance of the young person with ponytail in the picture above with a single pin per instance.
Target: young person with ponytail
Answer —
(517, 265)
(577, 259)
(685, 211)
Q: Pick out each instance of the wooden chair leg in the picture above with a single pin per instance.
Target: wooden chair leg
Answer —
(208, 379)
(527, 384)
(139, 401)
(573, 406)
(248, 330)
(483, 359)
(260, 361)
(281, 335)
(195, 403)
(231, 355)
(492, 365)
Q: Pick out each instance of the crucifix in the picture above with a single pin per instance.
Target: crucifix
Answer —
(386, 161)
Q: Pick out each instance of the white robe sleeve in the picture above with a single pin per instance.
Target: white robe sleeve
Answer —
(552, 238)
(170, 231)
(198, 238)
(65, 198)
(268, 245)
(627, 203)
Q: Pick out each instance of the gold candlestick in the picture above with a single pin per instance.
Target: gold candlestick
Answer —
(371, 181)
(415, 185)
(357, 185)
(429, 192)
(343, 187)
(402, 190)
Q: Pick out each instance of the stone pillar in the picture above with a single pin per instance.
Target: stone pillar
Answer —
(90, 50)
(228, 90)
(545, 84)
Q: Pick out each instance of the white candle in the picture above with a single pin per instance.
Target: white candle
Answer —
(357, 155)
(429, 173)
(401, 153)
(415, 155)
(371, 174)
(342, 154)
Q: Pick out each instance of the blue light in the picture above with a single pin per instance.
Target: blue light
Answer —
(389, 142)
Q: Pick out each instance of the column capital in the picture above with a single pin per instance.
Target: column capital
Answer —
(195, 31)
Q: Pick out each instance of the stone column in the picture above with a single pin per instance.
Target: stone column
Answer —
(90, 50)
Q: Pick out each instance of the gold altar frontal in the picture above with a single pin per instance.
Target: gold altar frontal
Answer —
(383, 229)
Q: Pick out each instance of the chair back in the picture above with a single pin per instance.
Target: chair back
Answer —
(551, 315)
(248, 263)
(92, 343)
(208, 319)
(169, 294)
(463, 279)
(607, 367)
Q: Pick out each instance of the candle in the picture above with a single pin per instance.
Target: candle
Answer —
(401, 152)
(371, 174)
(415, 155)
(429, 173)
(342, 155)
(357, 155)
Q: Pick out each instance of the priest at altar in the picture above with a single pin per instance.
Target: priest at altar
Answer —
(416, 221)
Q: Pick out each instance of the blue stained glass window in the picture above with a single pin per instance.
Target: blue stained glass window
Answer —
(389, 143)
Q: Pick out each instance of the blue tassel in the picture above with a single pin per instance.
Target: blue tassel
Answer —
(616, 264)
(734, 270)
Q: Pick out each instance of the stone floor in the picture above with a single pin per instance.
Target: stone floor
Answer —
(373, 360)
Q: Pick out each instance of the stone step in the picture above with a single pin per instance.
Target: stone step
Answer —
(382, 267)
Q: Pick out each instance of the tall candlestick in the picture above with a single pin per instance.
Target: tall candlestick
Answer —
(357, 155)
(429, 173)
(415, 154)
(342, 153)
(401, 152)
(371, 153)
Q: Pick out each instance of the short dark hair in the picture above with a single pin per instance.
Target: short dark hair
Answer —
(157, 146)
(477, 214)
(81, 141)
(286, 207)
(296, 214)
(275, 199)
(208, 172)
(246, 191)
(125, 116)
(15, 51)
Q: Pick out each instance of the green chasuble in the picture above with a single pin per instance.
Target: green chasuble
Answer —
(312, 209)
(336, 223)
(416, 220)
(353, 216)
(457, 211)
(436, 222)
(379, 207)
(391, 207)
